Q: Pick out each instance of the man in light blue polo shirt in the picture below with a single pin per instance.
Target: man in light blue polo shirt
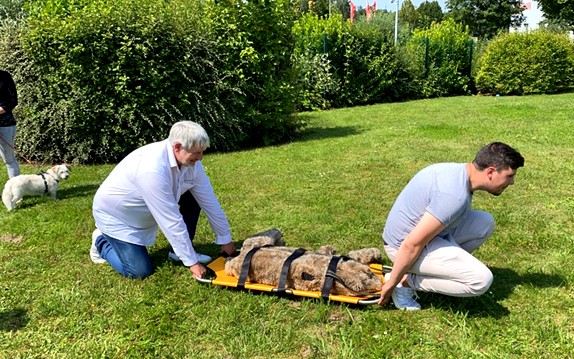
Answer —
(160, 185)
(431, 229)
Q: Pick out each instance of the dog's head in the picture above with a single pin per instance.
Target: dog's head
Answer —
(60, 172)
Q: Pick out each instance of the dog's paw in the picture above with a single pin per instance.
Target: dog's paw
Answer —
(327, 249)
(366, 255)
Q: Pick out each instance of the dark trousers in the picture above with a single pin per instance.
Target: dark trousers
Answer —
(189, 209)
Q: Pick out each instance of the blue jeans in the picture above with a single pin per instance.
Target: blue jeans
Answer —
(7, 135)
(132, 260)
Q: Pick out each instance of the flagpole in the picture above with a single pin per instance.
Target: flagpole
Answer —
(397, 22)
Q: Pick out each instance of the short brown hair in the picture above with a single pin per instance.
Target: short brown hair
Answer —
(498, 155)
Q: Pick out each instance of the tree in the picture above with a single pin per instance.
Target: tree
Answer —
(408, 14)
(319, 7)
(342, 7)
(559, 10)
(429, 12)
(486, 18)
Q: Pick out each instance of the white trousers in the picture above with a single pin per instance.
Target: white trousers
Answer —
(446, 265)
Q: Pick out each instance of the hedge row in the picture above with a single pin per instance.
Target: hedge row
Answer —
(99, 78)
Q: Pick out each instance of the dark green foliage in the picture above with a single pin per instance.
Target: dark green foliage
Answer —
(558, 10)
(429, 12)
(372, 71)
(12, 9)
(255, 39)
(527, 63)
(104, 77)
(485, 19)
(114, 75)
(408, 14)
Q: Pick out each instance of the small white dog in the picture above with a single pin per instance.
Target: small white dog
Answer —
(39, 184)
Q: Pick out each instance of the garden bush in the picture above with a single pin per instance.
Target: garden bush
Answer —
(255, 40)
(527, 63)
(342, 64)
(102, 77)
(440, 57)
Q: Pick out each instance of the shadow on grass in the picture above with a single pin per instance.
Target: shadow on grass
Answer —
(13, 319)
(319, 133)
(78, 191)
(159, 256)
(63, 193)
(487, 305)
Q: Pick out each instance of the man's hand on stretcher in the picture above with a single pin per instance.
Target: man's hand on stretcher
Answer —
(227, 250)
(197, 270)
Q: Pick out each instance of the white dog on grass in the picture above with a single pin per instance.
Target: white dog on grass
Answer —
(39, 184)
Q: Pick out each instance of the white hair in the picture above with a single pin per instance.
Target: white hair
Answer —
(189, 134)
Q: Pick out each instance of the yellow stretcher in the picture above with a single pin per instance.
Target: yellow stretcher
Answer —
(219, 277)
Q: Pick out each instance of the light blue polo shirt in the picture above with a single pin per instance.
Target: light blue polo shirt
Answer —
(442, 189)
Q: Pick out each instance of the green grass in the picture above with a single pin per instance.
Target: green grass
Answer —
(334, 185)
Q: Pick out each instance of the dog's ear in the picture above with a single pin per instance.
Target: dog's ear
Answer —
(68, 166)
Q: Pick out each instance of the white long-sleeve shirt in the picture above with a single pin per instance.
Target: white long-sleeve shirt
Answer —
(142, 192)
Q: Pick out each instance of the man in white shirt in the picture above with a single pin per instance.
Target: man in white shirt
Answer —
(160, 185)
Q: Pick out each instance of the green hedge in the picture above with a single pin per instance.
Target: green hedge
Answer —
(342, 64)
(106, 76)
(527, 63)
(98, 78)
(441, 59)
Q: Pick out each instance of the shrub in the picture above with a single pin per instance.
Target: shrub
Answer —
(315, 40)
(372, 72)
(315, 81)
(255, 39)
(440, 58)
(527, 63)
(113, 75)
(361, 58)
(102, 77)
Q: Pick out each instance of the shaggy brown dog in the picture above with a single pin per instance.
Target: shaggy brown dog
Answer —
(353, 276)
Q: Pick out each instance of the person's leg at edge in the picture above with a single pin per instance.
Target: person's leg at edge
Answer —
(130, 260)
(189, 209)
(7, 135)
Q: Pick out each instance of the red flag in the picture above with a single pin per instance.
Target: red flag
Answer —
(368, 11)
(353, 9)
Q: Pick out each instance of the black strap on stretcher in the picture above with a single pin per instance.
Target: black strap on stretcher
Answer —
(285, 269)
(245, 266)
(330, 276)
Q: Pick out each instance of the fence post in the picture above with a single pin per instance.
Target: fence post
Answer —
(427, 43)
(470, 54)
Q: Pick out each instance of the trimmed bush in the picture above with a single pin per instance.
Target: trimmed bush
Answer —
(440, 57)
(527, 63)
(99, 78)
(343, 64)
(255, 41)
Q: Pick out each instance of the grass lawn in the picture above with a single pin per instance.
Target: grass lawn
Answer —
(334, 185)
